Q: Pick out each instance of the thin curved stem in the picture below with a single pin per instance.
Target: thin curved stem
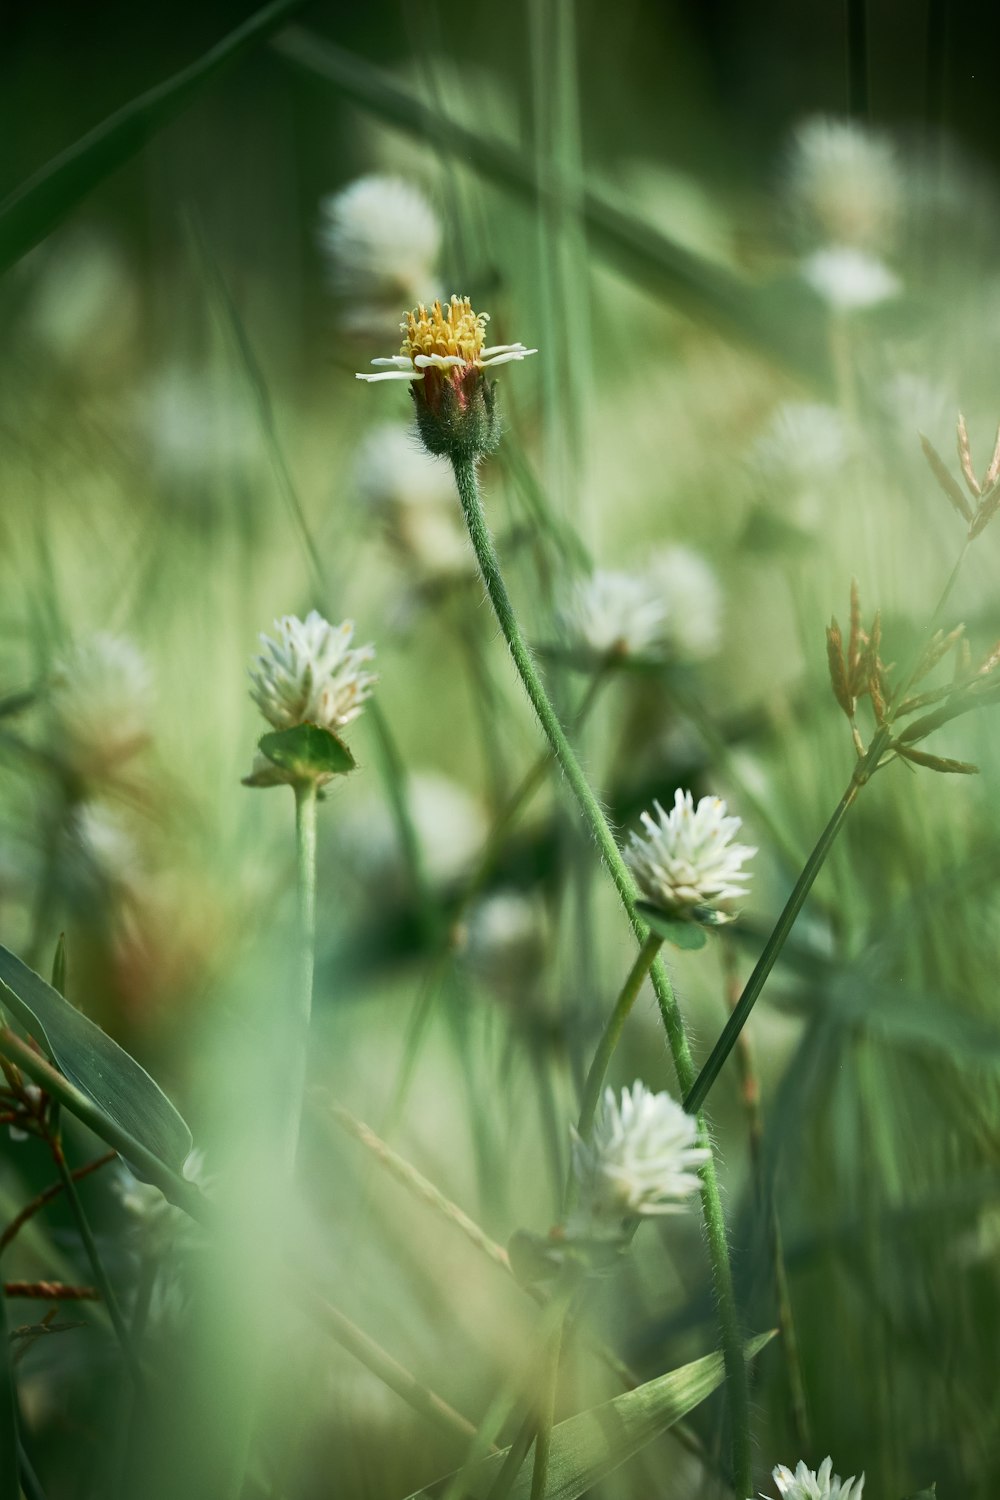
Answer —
(613, 1030)
(711, 1203)
(305, 847)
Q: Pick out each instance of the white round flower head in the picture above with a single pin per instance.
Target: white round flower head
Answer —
(802, 440)
(844, 184)
(687, 857)
(809, 1484)
(450, 824)
(691, 596)
(310, 674)
(381, 239)
(413, 495)
(642, 1159)
(615, 613)
(849, 279)
(100, 695)
(504, 939)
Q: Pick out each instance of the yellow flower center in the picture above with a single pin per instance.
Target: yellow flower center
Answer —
(453, 329)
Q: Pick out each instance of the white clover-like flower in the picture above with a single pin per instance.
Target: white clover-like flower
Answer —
(689, 589)
(614, 613)
(381, 240)
(642, 1159)
(450, 340)
(803, 440)
(310, 674)
(100, 696)
(821, 1484)
(844, 184)
(412, 494)
(849, 279)
(450, 824)
(686, 857)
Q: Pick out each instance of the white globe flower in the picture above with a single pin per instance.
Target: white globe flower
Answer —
(692, 598)
(450, 823)
(412, 494)
(381, 240)
(310, 674)
(100, 696)
(849, 279)
(642, 1159)
(614, 613)
(844, 184)
(686, 857)
(809, 1484)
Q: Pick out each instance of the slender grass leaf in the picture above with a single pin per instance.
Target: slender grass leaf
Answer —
(591, 1445)
(94, 1063)
(676, 930)
(785, 323)
(33, 210)
(10, 1487)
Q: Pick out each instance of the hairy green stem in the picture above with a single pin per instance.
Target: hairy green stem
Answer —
(305, 849)
(711, 1203)
(613, 1030)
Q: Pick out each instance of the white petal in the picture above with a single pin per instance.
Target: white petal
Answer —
(439, 361)
(503, 349)
(393, 375)
(397, 361)
(502, 359)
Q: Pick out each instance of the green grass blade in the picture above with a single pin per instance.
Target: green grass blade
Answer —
(10, 1488)
(33, 210)
(95, 1063)
(591, 1445)
(784, 323)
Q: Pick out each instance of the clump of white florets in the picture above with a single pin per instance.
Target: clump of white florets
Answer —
(686, 859)
(381, 240)
(671, 607)
(844, 184)
(309, 673)
(412, 494)
(641, 1159)
(99, 701)
(809, 1484)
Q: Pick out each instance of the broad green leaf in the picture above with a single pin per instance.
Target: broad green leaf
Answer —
(94, 1063)
(587, 1447)
(10, 1486)
(34, 209)
(307, 752)
(680, 931)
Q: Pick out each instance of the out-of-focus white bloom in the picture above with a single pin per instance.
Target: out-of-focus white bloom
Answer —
(310, 674)
(196, 424)
(615, 614)
(692, 597)
(686, 857)
(450, 824)
(809, 1484)
(449, 342)
(844, 184)
(642, 1159)
(31, 1098)
(381, 240)
(672, 607)
(849, 279)
(916, 403)
(109, 846)
(413, 495)
(804, 446)
(504, 939)
(82, 300)
(100, 695)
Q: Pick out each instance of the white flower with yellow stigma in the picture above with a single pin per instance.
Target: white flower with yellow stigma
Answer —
(821, 1484)
(642, 1159)
(686, 859)
(445, 358)
(310, 674)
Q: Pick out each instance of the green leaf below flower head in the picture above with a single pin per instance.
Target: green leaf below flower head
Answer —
(683, 932)
(95, 1063)
(587, 1447)
(305, 753)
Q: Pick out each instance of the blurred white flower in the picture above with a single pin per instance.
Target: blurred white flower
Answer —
(310, 674)
(450, 824)
(642, 1159)
(31, 1098)
(381, 240)
(109, 846)
(100, 696)
(809, 1484)
(692, 598)
(844, 184)
(504, 939)
(196, 423)
(804, 446)
(82, 297)
(687, 857)
(413, 495)
(614, 614)
(849, 279)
